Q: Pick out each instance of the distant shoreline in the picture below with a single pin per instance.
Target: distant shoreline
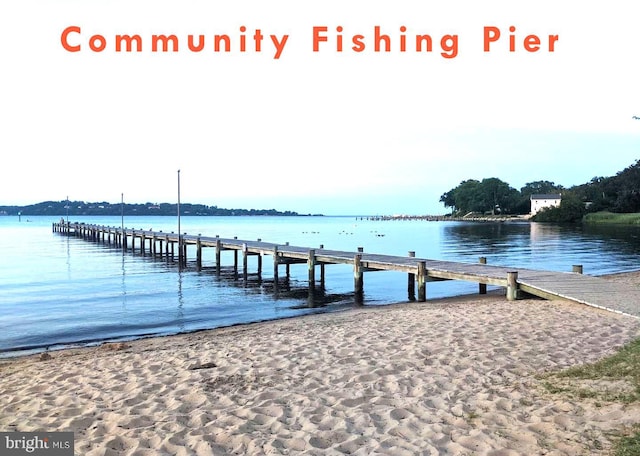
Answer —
(81, 208)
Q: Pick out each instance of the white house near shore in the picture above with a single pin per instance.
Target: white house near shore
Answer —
(540, 201)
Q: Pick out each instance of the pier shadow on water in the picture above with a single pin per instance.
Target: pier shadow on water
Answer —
(286, 288)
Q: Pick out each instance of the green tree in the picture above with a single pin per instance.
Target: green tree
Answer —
(540, 187)
(497, 196)
(619, 193)
(489, 195)
(463, 198)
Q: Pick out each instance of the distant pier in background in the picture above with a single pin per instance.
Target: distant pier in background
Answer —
(571, 286)
(470, 217)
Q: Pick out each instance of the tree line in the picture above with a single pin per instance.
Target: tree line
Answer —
(619, 193)
(75, 208)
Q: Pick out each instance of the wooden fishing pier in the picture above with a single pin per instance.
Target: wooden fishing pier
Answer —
(572, 286)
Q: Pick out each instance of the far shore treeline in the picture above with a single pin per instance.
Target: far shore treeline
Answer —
(75, 208)
(616, 194)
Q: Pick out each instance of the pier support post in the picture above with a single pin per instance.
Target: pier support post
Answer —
(183, 251)
(218, 252)
(482, 288)
(235, 263)
(411, 281)
(311, 266)
(245, 262)
(322, 272)
(275, 267)
(577, 268)
(259, 267)
(422, 281)
(512, 286)
(198, 254)
(358, 279)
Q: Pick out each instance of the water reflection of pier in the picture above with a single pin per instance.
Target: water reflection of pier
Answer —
(573, 286)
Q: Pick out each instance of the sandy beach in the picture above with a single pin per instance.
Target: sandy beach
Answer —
(454, 376)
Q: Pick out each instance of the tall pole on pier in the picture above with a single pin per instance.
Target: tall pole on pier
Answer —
(179, 232)
(67, 206)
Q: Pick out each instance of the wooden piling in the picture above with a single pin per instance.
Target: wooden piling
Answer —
(218, 252)
(276, 261)
(322, 276)
(245, 262)
(512, 286)
(411, 280)
(482, 287)
(198, 254)
(358, 278)
(235, 263)
(422, 281)
(311, 265)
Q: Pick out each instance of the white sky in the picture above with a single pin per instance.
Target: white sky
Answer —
(329, 132)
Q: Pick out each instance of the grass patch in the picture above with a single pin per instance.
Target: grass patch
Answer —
(628, 445)
(612, 379)
(612, 218)
(624, 366)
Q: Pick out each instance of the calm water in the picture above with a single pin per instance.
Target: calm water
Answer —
(57, 291)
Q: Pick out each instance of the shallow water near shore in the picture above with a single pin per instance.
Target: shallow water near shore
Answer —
(59, 291)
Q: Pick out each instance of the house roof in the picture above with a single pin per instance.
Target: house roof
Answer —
(546, 196)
